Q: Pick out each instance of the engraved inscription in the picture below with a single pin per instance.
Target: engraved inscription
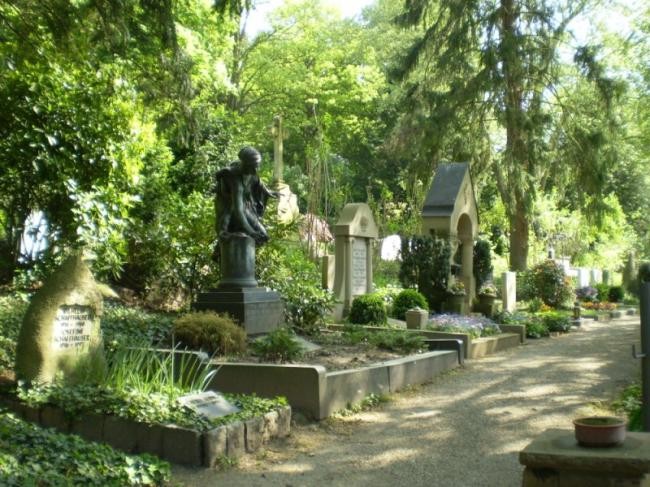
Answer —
(359, 271)
(209, 404)
(72, 328)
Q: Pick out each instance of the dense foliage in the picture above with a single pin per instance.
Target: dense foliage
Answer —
(406, 300)
(210, 332)
(551, 284)
(426, 265)
(368, 309)
(482, 262)
(277, 346)
(30, 455)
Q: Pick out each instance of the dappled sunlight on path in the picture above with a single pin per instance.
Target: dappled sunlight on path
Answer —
(464, 429)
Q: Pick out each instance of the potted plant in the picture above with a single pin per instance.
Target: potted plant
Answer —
(456, 297)
(487, 294)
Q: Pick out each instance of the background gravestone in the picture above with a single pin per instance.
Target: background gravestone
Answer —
(60, 333)
(353, 236)
(509, 292)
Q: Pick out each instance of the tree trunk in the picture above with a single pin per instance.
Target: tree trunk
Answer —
(519, 239)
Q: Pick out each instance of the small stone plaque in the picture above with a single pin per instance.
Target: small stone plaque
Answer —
(209, 404)
(359, 271)
(73, 328)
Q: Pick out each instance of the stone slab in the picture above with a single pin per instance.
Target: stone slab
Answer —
(209, 404)
(214, 446)
(258, 310)
(182, 446)
(419, 369)
(53, 417)
(121, 433)
(235, 439)
(558, 449)
(89, 427)
(150, 438)
(254, 433)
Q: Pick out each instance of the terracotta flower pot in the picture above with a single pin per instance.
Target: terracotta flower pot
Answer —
(599, 431)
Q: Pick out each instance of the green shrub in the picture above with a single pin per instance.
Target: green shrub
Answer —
(482, 262)
(556, 321)
(284, 267)
(211, 332)
(426, 264)
(368, 309)
(408, 299)
(615, 294)
(397, 341)
(277, 346)
(535, 305)
(134, 327)
(630, 403)
(535, 328)
(525, 286)
(551, 284)
(603, 291)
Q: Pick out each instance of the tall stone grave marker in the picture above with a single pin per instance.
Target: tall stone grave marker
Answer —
(353, 237)
(509, 292)
(287, 200)
(60, 333)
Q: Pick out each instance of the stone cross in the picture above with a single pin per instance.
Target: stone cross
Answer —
(278, 138)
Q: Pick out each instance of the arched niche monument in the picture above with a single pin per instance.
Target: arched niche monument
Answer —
(450, 212)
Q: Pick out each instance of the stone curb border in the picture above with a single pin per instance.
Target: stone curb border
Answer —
(169, 442)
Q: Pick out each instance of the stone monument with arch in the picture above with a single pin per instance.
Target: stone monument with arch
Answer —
(450, 212)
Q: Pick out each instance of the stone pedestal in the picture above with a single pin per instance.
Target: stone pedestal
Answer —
(417, 319)
(257, 309)
(554, 459)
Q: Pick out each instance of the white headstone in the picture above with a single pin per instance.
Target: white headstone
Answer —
(509, 291)
(584, 276)
(359, 267)
(391, 247)
(209, 404)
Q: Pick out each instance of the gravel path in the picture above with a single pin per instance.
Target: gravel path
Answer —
(464, 429)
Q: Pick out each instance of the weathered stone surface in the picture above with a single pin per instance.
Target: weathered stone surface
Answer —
(284, 421)
(416, 318)
(121, 433)
(149, 438)
(60, 331)
(182, 446)
(270, 425)
(53, 417)
(89, 427)
(235, 445)
(214, 446)
(254, 430)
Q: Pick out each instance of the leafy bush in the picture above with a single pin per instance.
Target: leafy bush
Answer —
(285, 267)
(426, 264)
(277, 346)
(516, 318)
(408, 299)
(535, 305)
(535, 328)
(397, 341)
(554, 321)
(630, 403)
(603, 291)
(551, 284)
(482, 262)
(134, 327)
(615, 294)
(525, 286)
(211, 332)
(587, 293)
(30, 455)
(12, 310)
(368, 309)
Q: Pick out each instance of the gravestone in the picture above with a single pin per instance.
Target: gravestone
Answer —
(353, 236)
(60, 333)
(391, 247)
(209, 404)
(584, 277)
(287, 200)
(509, 292)
(450, 212)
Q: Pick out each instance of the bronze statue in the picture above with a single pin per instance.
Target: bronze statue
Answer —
(241, 198)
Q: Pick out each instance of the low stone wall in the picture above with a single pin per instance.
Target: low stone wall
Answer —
(172, 443)
(480, 347)
(318, 393)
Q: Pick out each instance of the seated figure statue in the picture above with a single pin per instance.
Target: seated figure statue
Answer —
(241, 198)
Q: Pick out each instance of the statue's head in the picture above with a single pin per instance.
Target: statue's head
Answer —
(250, 158)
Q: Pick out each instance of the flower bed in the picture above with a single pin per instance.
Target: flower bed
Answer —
(474, 326)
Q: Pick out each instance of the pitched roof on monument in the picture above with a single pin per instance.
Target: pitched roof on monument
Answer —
(445, 188)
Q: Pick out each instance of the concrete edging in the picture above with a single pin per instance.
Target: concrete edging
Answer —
(318, 393)
(169, 442)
